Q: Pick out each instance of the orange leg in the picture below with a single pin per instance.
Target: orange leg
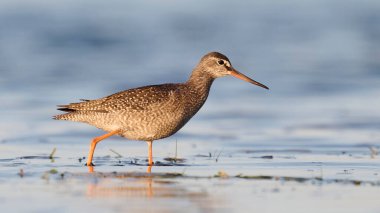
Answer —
(93, 145)
(150, 153)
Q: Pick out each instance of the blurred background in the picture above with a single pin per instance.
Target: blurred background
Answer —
(321, 60)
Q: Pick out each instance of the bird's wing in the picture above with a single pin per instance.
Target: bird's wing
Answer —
(137, 99)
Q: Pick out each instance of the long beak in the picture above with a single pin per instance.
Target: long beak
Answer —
(247, 79)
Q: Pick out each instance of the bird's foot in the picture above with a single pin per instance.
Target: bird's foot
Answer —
(89, 164)
(90, 167)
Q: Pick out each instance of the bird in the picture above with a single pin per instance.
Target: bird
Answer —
(153, 112)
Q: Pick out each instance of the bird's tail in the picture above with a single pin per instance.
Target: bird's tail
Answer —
(67, 116)
(79, 111)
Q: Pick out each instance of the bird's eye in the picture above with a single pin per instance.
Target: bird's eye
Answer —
(220, 62)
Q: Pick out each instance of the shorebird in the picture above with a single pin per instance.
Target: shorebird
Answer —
(152, 112)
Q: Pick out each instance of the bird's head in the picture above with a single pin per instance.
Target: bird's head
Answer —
(218, 65)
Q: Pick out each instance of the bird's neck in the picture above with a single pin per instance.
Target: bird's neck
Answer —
(200, 82)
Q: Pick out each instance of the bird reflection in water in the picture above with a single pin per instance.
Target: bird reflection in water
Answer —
(148, 169)
(134, 187)
(159, 188)
(132, 184)
(139, 184)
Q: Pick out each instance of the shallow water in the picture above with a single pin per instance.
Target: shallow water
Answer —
(266, 179)
(310, 141)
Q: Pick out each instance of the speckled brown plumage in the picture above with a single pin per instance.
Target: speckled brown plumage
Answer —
(145, 113)
(153, 112)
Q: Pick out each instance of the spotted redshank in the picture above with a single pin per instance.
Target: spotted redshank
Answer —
(152, 112)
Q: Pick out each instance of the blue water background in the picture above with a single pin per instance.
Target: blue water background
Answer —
(321, 60)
